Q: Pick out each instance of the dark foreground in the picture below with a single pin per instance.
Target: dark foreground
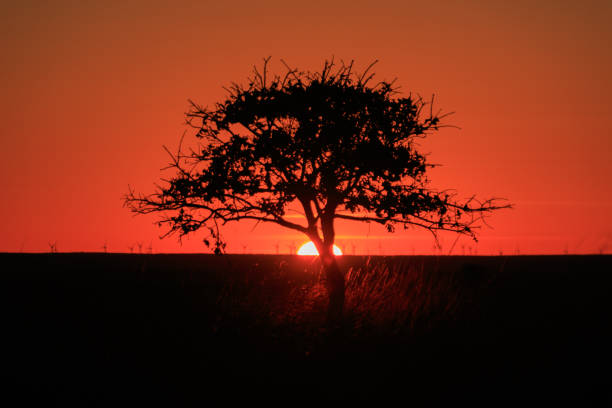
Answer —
(200, 330)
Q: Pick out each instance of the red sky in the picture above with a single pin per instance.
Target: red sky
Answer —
(92, 90)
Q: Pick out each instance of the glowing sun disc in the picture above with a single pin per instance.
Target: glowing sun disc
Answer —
(310, 249)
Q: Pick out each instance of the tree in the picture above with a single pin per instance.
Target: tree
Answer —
(331, 142)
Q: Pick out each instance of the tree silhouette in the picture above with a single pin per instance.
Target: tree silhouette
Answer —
(333, 143)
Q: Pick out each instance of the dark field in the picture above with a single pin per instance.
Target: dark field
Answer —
(204, 330)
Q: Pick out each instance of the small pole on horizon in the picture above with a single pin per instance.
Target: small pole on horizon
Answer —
(603, 247)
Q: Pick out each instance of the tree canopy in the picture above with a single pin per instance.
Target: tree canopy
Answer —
(334, 142)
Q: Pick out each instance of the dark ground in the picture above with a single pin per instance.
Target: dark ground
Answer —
(201, 330)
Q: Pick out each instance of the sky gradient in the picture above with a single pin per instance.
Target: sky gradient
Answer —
(92, 90)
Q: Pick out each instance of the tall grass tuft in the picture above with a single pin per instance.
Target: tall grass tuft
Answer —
(390, 297)
(385, 297)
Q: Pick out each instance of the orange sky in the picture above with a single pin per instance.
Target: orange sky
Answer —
(92, 90)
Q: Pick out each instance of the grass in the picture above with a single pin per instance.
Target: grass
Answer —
(107, 329)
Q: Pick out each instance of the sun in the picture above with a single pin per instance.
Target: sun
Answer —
(310, 249)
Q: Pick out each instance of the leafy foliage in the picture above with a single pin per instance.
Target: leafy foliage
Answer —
(334, 141)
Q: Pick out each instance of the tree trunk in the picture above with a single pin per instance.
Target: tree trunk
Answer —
(335, 289)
